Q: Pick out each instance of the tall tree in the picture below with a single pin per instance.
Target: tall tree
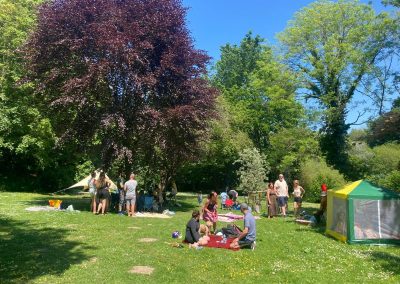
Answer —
(122, 75)
(238, 62)
(333, 45)
(26, 136)
(258, 90)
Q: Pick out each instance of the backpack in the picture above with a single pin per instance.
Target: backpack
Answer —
(232, 231)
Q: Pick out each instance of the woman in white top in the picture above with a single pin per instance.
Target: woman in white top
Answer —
(93, 192)
(298, 193)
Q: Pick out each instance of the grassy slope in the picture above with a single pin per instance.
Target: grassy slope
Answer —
(61, 247)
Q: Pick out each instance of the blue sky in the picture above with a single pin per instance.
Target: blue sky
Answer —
(214, 23)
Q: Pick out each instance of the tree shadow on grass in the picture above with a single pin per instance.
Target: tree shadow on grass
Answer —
(28, 252)
(185, 204)
(314, 229)
(387, 261)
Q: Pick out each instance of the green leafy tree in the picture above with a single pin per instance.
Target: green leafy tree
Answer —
(238, 62)
(26, 136)
(289, 149)
(252, 171)
(385, 166)
(315, 172)
(221, 145)
(333, 45)
(259, 90)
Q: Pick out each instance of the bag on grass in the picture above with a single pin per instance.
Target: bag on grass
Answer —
(231, 231)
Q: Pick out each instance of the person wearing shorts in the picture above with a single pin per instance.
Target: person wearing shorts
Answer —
(298, 193)
(247, 238)
(102, 185)
(282, 193)
(130, 194)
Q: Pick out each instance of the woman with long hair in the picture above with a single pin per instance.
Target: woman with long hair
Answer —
(298, 193)
(271, 200)
(102, 186)
(210, 215)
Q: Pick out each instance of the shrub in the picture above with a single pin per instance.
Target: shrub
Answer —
(83, 170)
(252, 171)
(389, 181)
(315, 172)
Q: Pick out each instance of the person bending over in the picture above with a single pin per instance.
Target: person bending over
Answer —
(192, 235)
(247, 237)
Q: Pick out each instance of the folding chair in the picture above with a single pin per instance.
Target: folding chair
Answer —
(148, 203)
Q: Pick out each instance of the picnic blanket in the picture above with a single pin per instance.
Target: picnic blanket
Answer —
(41, 208)
(151, 215)
(230, 217)
(215, 242)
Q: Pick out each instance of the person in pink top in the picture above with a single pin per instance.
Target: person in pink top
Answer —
(210, 215)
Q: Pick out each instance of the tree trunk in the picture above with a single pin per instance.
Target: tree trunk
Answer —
(333, 140)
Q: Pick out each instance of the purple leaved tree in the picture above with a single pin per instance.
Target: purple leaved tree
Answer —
(122, 75)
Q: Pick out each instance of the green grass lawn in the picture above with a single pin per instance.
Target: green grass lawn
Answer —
(66, 247)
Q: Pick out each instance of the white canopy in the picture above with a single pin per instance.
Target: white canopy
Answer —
(84, 182)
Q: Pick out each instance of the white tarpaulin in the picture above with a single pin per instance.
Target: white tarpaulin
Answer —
(84, 182)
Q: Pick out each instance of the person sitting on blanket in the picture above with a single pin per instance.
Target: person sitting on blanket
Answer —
(192, 235)
(247, 237)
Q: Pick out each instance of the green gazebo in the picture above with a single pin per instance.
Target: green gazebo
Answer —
(364, 213)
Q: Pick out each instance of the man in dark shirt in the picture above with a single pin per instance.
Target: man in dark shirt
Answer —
(192, 235)
(121, 193)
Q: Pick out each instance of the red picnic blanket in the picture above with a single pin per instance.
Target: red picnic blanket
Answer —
(215, 242)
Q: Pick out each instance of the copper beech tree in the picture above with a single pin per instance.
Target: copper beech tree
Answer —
(122, 76)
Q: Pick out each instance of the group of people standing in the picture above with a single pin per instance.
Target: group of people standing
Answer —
(100, 194)
(278, 197)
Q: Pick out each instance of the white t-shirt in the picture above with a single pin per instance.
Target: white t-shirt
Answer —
(281, 188)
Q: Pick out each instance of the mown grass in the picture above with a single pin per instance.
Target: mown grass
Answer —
(62, 247)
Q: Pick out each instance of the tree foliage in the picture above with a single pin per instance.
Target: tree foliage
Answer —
(252, 171)
(289, 149)
(333, 45)
(379, 164)
(315, 172)
(122, 77)
(385, 128)
(26, 135)
(259, 90)
(215, 168)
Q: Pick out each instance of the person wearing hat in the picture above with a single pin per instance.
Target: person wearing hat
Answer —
(247, 237)
(323, 204)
